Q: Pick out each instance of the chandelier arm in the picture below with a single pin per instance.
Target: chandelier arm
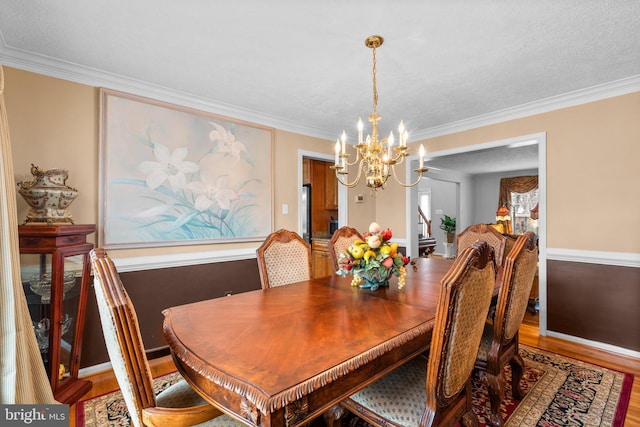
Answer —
(406, 185)
(355, 161)
(347, 183)
(397, 160)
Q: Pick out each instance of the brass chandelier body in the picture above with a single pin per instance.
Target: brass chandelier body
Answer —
(375, 158)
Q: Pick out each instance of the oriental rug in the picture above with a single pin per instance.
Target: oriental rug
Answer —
(560, 391)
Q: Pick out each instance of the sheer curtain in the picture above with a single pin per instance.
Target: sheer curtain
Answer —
(22, 375)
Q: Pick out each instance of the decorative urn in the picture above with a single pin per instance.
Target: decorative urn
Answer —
(48, 195)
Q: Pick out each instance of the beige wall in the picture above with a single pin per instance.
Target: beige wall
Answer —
(593, 151)
(55, 124)
(592, 155)
(287, 145)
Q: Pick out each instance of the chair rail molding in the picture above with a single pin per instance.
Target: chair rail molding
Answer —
(621, 259)
(182, 259)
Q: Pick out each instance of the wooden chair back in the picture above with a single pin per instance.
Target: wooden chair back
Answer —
(499, 344)
(342, 238)
(486, 233)
(178, 405)
(283, 258)
(122, 337)
(519, 272)
(460, 317)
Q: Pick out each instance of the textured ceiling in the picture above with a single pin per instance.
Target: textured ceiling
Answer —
(302, 65)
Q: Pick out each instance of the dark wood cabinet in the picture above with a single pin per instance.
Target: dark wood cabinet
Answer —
(324, 203)
(320, 262)
(331, 190)
(55, 274)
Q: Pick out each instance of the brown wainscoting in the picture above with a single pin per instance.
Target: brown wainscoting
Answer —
(594, 301)
(151, 291)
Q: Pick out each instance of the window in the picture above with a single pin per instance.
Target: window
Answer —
(521, 206)
(424, 204)
(520, 195)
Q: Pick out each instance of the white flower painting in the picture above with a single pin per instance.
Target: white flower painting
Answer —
(175, 176)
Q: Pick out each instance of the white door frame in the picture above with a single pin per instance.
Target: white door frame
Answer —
(412, 214)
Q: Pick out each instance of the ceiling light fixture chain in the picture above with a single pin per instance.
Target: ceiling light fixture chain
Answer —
(376, 157)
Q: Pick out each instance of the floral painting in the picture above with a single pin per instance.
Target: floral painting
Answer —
(175, 176)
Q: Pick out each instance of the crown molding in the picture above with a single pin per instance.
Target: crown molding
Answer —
(69, 71)
(51, 67)
(570, 99)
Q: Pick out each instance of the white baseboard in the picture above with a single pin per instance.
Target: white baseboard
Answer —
(95, 369)
(595, 344)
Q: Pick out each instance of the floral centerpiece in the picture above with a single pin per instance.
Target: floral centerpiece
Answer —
(373, 260)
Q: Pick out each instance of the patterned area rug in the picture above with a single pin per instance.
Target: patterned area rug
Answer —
(560, 391)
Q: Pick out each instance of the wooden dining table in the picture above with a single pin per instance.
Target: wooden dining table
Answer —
(284, 355)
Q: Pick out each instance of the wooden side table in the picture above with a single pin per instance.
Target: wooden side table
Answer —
(56, 294)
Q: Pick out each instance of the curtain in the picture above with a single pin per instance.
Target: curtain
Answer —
(518, 184)
(23, 378)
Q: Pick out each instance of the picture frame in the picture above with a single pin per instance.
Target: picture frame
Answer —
(172, 175)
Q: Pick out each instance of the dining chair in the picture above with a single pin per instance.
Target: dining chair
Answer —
(437, 391)
(178, 405)
(499, 344)
(283, 258)
(510, 242)
(484, 232)
(341, 239)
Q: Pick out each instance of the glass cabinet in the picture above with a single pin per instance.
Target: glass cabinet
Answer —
(55, 273)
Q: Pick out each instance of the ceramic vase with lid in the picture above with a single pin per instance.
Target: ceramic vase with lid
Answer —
(48, 195)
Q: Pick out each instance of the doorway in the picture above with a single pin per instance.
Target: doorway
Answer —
(465, 196)
(339, 212)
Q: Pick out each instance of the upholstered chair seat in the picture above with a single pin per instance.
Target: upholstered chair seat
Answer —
(399, 396)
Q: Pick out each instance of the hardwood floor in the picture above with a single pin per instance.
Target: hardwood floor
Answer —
(105, 382)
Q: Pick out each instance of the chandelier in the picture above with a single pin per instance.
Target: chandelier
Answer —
(375, 158)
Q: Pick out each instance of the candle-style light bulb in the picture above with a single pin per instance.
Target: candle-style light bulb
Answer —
(360, 126)
(390, 142)
(401, 134)
(421, 156)
(344, 139)
(337, 153)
